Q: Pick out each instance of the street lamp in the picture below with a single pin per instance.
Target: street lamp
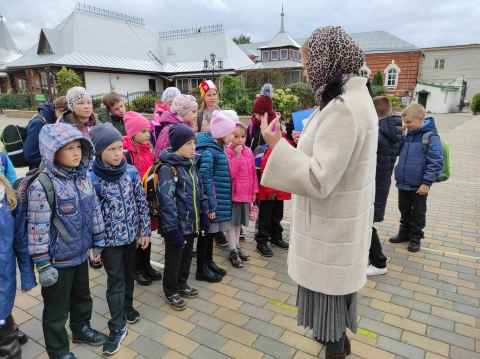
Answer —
(212, 65)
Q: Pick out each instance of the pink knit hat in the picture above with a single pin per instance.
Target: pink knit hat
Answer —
(221, 125)
(134, 123)
(182, 104)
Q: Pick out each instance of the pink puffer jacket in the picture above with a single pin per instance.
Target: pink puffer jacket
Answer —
(243, 173)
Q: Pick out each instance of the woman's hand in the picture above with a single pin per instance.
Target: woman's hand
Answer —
(271, 137)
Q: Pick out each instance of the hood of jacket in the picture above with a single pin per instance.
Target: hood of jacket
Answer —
(52, 137)
(391, 127)
(205, 139)
(47, 110)
(170, 157)
(168, 117)
(429, 125)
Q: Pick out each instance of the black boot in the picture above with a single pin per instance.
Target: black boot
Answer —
(22, 337)
(216, 269)
(402, 236)
(147, 266)
(414, 245)
(140, 276)
(206, 274)
(235, 259)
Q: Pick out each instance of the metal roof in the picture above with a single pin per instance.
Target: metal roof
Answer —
(6, 41)
(281, 40)
(281, 64)
(8, 56)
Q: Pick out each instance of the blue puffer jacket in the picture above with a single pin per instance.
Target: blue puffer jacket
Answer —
(415, 167)
(14, 247)
(76, 206)
(124, 209)
(31, 150)
(218, 185)
(389, 135)
(181, 200)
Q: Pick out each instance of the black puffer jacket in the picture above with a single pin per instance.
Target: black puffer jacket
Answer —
(389, 136)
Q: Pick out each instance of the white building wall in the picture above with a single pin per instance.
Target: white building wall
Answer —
(102, 82)
(438, 101)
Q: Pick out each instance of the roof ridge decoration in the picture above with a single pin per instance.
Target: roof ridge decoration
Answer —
(171, 34)
(96, 11)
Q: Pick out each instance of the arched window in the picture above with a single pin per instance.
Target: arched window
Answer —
(391, 75)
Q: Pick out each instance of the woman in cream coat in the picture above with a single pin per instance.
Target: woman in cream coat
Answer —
(332, 176)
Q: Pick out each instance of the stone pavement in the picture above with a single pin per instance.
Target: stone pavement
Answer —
(426, 306)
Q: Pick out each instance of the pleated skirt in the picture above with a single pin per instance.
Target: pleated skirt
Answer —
(327, 315)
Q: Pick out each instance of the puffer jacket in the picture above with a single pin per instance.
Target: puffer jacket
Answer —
(117, 122)
(244, 174)
(217, 186)
(76, 206)
(166, 120)
(415, 167)
(65, 118)
(146, 155)
(389, 136)
(14, 244)
(181, 199)
(124, 209)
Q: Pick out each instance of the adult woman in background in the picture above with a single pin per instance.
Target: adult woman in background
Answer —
(333, 183)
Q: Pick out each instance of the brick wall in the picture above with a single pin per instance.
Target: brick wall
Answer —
(408, 63)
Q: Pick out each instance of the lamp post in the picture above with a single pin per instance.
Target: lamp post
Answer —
(212, 65)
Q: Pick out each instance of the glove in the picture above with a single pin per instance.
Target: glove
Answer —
(204, 223)
(97, 250)
(175, 238)
(47, 275)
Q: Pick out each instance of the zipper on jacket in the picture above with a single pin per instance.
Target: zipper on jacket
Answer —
(124, 207)
(194, 185)
(405, 158)
(75, 178)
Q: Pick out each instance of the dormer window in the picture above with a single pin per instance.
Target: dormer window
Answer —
(265, 55)
(291, 54)
(274, 54)
(283, 54)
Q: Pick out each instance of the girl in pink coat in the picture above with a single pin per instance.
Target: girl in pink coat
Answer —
(244, 190)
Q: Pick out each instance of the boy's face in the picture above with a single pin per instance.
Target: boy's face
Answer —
(188, 149)
(190, 116)
(211, 98)
(59, 111)
(83, 109)
(117, 109)
(70, 155)
(113, 154)
(239, 136)
(413, 123)
(143, 136)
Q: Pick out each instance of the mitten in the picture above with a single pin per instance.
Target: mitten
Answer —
(204, 223)
(97, 250)
(176, 238)
(47, 275)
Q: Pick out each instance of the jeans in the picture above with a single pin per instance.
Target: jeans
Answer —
(177, 265)
(119, 263)
(413, 209)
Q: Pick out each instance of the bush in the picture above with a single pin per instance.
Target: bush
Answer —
(396, 101)
(232, 90)
(144, 104)
(305, 95)
(66, 79)
(377, 79)
(379, 90)
(96, 104)
(476, 104)
(284, 101)
(243, 107)
(15, 101)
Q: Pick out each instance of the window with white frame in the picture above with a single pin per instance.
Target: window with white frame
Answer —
(182, 85)
(265, 55)
(292, 77)
(283, 54)
(291, 55)
(439, 64)
(274, 54)
(391, 75)
(196, 83)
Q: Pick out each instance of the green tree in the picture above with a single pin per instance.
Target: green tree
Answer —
(377, 79)
(242, 39)
(305, 95)
(66, 79)
(284, 101)
(232, 90)
(378, 91)
(476, 104)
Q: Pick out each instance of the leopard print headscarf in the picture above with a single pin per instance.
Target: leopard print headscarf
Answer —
(330, 51)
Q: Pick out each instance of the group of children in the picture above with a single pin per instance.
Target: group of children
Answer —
(208, 183)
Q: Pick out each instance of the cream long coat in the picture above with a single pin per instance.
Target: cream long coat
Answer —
(332, 177)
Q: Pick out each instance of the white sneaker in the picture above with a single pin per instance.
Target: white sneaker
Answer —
(371, 270)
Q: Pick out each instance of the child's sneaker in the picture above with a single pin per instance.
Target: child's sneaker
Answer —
(243, 256)
(414, 245)
(113, 343)
(235, 259)
(132, 315)
(372, 270)
(264, 250)
(279, 243)
(176, 302)
(189, 292)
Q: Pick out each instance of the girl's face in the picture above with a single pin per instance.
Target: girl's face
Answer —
(211, 98)
(142, 137)
(168, 104)
(187, 150)
(239, 136)
(228, 139)
(190, 116)
(83, 109)
(113, 154)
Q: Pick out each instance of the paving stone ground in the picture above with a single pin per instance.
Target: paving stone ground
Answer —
(426, 307)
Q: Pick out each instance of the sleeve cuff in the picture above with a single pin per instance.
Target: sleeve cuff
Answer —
(39, 258)
(99, 241)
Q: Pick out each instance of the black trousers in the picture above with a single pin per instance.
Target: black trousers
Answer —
(269, 218)
(377, 259)
(9, 345)
(71, 294)
(413, 210)
(177, 265)
(119, 263)
(204, 249)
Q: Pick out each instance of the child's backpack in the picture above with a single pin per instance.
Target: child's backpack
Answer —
(445, 172)
(155, 132)
(96, 180)
(13, 138)
(3, 162)
(150, 181)
(21, 185)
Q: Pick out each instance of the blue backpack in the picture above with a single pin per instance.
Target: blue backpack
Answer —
(96, 180)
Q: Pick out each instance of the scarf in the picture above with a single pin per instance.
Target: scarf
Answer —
(109, 174)
(331, 51)
(207, 114)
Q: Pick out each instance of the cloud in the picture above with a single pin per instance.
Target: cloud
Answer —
(213, 4)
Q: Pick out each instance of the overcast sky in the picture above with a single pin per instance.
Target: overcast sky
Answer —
(424, 23)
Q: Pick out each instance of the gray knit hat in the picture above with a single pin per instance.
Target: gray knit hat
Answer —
(103, 135)
(76, 94)
(170, 93)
